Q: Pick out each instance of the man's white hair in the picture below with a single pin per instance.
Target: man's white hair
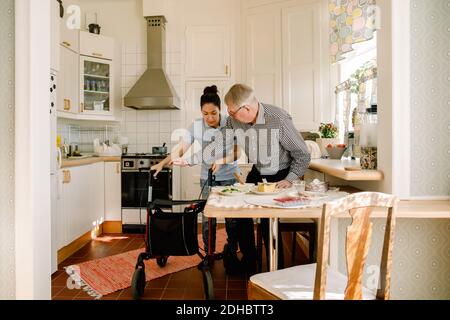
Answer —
(241, 94)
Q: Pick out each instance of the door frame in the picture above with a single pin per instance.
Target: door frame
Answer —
(32, 148)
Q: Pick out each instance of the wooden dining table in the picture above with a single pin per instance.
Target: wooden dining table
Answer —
(407, 209)
(258, 212)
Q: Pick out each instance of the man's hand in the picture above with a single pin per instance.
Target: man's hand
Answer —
(179, 162)
(284, 184)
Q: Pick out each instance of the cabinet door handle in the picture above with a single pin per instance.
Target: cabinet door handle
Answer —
(118, 168)
(66, 177)
(67, 104)
(97, 54)
(226, 69)
(67, 44)
(81, 107)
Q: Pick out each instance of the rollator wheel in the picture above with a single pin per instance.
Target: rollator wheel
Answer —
(208, 284)
(162, 261)
(138, 283)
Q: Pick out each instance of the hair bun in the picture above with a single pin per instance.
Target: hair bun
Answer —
(211, 90)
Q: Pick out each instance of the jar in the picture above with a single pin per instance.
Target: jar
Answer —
(368, 139)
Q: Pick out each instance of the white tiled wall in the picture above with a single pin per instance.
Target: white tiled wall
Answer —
(148, 128)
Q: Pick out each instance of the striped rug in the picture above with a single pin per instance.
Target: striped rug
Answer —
(104, 276)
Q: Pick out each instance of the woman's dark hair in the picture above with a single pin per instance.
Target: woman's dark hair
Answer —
(210, 96)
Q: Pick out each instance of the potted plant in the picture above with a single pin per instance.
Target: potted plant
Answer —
(328, 135)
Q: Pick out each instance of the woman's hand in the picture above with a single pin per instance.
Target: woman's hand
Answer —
(284, 184)
(215, 167)
(179, 162)
(157, 167)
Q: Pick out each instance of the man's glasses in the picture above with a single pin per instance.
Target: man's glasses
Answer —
(233, 114)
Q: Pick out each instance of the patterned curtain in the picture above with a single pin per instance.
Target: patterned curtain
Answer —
(351, 21)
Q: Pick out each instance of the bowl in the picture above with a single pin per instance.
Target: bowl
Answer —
(336, 153)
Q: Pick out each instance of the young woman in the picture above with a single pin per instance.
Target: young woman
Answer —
(210, 123)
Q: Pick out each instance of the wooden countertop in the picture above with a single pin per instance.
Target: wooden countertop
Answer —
(336, 168)
(70, 163)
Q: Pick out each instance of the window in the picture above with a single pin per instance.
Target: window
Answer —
(364, 53)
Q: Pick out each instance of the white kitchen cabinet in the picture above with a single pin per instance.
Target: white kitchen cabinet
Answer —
(113, 191)
(69, 38)
(81, 202)
(96, 86)
(55, 35)
(68, 93)
(208, 52)
(301, 65)
(263, 53)
(97, 193)
(97, 46)
(283, 54)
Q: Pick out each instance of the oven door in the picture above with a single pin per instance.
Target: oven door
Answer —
(135, 189)
(162, 185)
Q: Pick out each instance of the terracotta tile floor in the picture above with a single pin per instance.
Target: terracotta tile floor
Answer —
(183, 285)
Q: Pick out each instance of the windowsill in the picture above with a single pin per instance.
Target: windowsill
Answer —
(337, 169)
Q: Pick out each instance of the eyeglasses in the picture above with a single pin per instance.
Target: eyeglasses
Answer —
(233, 114)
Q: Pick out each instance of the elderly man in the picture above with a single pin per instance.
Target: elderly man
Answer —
(272, 143)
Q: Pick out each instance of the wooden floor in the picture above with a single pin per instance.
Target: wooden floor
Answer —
(184, 285)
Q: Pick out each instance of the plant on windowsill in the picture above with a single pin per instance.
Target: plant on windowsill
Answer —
(328, 135)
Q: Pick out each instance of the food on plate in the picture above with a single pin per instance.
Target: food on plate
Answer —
(267, 187)
(231, 190)
(292, 201)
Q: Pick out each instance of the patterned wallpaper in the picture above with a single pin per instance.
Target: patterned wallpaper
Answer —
(430, 98)
(421, 257)
(7, 266)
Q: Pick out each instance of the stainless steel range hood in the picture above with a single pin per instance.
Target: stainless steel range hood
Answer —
(153, 90)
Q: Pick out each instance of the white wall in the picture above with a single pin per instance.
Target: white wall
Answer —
(7, 247)
(32, 145)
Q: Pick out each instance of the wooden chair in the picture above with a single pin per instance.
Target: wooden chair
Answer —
(318, 281)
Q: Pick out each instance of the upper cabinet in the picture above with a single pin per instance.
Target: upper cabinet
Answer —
(282, 58)
(69, 38)
(68, 93)
(96, 87)
(97, 46)
(208, 52)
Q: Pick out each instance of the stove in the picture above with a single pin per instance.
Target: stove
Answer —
(139, 187)
(141, 161)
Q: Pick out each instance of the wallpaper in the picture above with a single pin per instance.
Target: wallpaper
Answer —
(7, 283)
(421, 257)
(430, 98)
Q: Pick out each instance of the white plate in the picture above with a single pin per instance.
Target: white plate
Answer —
(314, 195)
(268, 202)
(255, 191)
(234, 194)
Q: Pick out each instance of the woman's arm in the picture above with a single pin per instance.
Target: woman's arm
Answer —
(177, 152)
(230, 158)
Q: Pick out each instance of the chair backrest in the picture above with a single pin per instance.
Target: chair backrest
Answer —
(360, 206)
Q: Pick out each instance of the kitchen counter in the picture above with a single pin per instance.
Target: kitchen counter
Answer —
(336, 168)
(69, 163)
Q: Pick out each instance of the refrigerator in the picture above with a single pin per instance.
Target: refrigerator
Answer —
(54, 166)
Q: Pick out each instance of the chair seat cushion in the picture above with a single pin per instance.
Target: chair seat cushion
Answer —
(297, 283)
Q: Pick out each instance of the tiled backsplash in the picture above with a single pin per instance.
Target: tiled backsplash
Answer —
(148, 128)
